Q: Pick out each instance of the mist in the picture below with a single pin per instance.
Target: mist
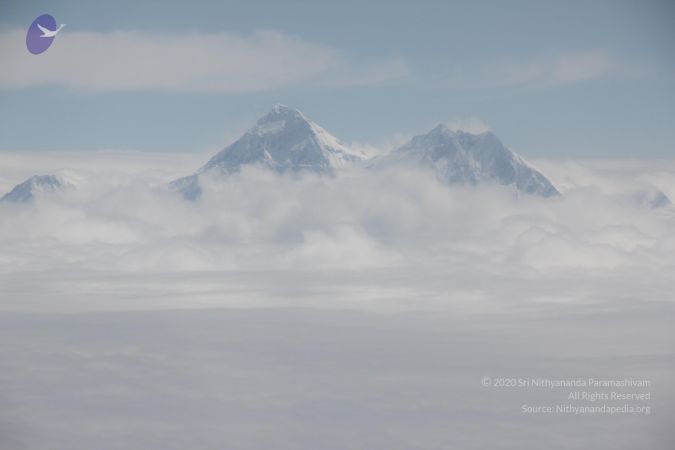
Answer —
(360, 310)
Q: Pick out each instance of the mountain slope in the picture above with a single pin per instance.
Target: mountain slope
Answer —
(283, 140)
(36, 185)
(652, 198)
(465, 158)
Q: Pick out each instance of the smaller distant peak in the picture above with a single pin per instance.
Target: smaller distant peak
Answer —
(26, 190)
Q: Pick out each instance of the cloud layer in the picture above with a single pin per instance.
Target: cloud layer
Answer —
(401, 236)
(404, 294)
(335, 380)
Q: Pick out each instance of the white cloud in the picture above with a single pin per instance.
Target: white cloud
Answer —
(563, 69)
(419, 289)
(367, 74)
(222, 62)
(406, 235)
(302, 379)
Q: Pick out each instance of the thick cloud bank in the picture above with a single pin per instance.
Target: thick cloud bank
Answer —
(357, 311)
(393, 239)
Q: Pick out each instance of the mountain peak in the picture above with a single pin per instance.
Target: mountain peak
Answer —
(280, 108)
(283, 140)
(281, 118)
(280, 111)
(460, 157)
(36, 185)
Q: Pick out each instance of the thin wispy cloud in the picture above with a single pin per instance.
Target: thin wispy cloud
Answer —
(220, 62)
(549, 71)
(469, 124)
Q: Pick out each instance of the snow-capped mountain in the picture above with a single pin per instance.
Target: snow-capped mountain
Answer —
(458, 157)
(652, 198)
(283, 140)
(286, 141)
(37, 185)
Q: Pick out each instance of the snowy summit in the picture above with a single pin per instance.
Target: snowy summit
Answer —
(458, 157)
(283, 140)
(36, 185)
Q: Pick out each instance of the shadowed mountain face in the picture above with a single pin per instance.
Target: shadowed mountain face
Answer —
(35, 185)
(464, 158)
(283, 141)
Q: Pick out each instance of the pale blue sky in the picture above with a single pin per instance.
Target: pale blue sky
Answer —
(552, 79)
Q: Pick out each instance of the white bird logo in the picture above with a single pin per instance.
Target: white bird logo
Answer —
(49, 33)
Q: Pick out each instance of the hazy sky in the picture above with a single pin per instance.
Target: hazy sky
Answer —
(561, 79)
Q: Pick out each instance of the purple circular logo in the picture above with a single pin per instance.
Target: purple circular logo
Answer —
(41, 34)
